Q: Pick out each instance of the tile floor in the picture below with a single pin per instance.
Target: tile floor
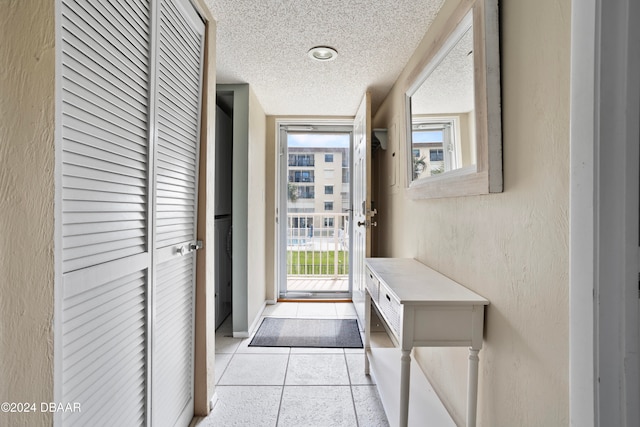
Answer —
(283, 387)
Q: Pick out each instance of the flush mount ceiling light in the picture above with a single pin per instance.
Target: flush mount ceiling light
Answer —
(322, 53)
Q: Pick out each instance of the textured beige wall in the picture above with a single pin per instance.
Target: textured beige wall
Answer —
(26, 206)
(256, 274)
(511, 248)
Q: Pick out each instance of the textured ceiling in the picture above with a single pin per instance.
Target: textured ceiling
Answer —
(449, 87)
(265, 43)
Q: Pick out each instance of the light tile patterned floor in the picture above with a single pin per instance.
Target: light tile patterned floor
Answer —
(323, 387)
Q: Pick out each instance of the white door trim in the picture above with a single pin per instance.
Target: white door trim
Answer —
(605, 97)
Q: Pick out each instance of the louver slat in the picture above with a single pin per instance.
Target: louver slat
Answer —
(178, 122)
(104, 347)
(178, 129)
(173, 342)
(105, 131)
(105, 180)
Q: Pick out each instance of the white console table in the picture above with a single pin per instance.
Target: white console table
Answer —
(423, 308)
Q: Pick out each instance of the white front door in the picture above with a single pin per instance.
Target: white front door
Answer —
(361, 206)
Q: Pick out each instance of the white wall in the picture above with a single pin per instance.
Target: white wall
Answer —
(26, 206)
(248, 210)
(511, 248)
(256, 222)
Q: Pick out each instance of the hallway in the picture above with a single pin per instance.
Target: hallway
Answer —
(260, 386)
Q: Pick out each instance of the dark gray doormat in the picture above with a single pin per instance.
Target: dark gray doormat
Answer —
(332, 333)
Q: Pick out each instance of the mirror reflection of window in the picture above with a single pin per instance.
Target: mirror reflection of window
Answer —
(443, 111)
(458, 80)
(434, 148)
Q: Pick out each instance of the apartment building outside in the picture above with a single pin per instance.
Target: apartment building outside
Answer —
(318, 180)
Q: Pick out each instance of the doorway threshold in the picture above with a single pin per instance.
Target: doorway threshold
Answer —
(327, 300)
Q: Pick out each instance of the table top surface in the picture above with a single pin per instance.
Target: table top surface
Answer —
(413, 283)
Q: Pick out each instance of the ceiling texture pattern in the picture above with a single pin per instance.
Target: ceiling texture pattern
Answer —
(265, 43)
(449, 87)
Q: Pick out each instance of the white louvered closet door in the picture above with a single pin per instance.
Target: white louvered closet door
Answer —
(128, 194)
(105, 229)
(179, 82)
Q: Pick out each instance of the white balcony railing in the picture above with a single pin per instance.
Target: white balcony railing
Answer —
(318, 244)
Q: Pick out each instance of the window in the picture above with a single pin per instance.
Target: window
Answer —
(328, 206)
(436, 155)
(345, 175)
(434, 142)
(301, 176)
(301, 222)
(328, 189)
(306, 192)
(430, 135)
(328, 158)
(328, 173)
(328, 222)
(301, 160)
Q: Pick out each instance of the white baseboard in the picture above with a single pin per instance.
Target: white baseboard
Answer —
(242, 334)
(254, 324)
(256, 321)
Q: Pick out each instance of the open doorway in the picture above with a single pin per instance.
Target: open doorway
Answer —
(223, 204)
(314, 224)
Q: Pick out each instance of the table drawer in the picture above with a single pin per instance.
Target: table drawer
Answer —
(390, 309)
(372, 284)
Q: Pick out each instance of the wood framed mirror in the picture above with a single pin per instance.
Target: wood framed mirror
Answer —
(453, 116)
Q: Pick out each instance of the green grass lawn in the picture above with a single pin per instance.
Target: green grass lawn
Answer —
(309, 263)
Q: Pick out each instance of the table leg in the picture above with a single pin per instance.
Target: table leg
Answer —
(367, 330)
(472, 387)
(405, 367)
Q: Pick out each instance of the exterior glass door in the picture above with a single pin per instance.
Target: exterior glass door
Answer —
(316, 202)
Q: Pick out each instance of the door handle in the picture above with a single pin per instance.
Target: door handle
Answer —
(185, 249)
(361, 223)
